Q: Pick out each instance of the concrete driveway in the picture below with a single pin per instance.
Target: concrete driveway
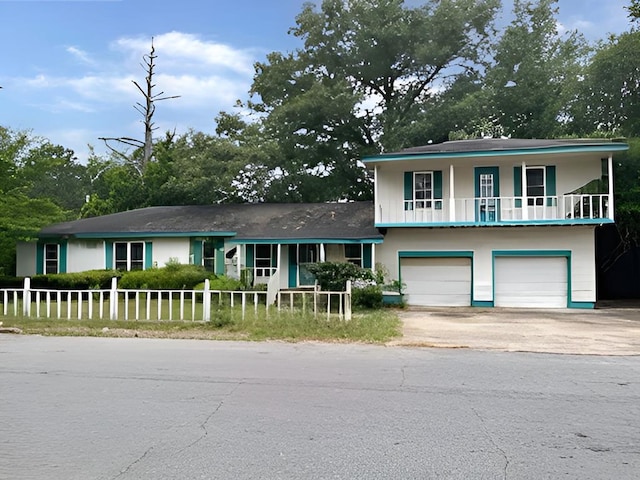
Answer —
(607, 331)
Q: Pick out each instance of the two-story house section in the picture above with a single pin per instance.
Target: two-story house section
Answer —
(495, 222)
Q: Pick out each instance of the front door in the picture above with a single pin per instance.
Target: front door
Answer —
(487, 203)
(307, 253)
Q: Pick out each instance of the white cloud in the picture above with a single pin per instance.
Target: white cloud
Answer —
(80, 55)
(188, 51)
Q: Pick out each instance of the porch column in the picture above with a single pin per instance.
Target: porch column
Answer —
(452, 200)
(525, 209)
(242, 253)
(376, 198)
(279, 258)
(373, 257)
(610, 172)
(322, 253)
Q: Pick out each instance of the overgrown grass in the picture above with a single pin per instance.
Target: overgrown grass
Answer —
(376, 326)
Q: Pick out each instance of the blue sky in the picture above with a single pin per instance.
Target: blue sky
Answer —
(66, 66)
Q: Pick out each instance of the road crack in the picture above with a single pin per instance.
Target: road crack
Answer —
(203, 425)
(495, 445)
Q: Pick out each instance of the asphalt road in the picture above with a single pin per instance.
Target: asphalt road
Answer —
(96, 408)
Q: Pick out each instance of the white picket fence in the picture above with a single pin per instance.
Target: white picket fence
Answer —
(162, 305)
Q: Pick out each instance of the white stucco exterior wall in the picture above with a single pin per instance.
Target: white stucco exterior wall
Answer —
(165, 249)
(85, 255)
(579, 240)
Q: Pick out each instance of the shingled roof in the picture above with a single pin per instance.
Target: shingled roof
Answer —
(277, 221)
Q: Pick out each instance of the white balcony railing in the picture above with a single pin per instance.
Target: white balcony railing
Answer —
(495, 209)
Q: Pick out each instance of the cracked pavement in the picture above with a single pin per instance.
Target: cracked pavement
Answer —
(99, 408)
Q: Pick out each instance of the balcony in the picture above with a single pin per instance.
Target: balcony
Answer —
(571, 208)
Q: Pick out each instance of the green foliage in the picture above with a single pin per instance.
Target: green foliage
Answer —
(225, 283)
(333, 276)
(608, 97)
(368, 297)
(89, 279)
(172, 277)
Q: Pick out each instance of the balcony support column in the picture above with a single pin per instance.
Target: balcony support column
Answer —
(610, 172)
(525, 203)
(452, 200)
(377, 213)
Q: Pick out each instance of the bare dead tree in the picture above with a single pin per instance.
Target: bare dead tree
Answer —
(147, 110)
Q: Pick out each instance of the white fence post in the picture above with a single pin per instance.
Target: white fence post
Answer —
(206, 301)
(26, 297)
(347, 302)
(113, 299)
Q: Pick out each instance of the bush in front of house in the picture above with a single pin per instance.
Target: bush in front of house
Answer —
(172, 277)
(333, 276)
(89, 279)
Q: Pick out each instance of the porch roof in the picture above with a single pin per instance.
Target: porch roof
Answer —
(276, 221)
(500, 147)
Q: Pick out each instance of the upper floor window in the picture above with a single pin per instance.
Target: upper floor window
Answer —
(536, 185)
(51, 257)
(423, 189)
(353, 254)
(129, 255)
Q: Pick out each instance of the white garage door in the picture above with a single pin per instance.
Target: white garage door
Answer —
(531, 282)
(437, 281)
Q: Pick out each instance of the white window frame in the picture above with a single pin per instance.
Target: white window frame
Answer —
(206, 244)
(356, 260)
(427, 200)
(539, 199)
(51, 261)
(129, 261)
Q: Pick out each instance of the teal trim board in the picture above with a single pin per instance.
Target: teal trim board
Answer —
(297, 241)
(502, 223)
(539, 253)
(437, 254)
(393, 157)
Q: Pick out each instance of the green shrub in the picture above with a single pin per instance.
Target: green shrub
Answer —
(76, 280)
(367, 297)
(333, 276)
(222, 283)
(171, 277)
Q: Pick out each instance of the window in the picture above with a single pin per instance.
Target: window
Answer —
(353, 254)
(423, 189)
(51, 255)
(209, 256)
(129, 255)
(263, 260)
(535, 185)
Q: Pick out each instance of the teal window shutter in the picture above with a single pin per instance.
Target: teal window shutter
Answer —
(148, 255)
(196, 251)
(551, 184)
(408, 190)
(62, 259)
(108, 255)
(517, 185)
(366, 255)
(39, 258)
(219, 257)
(437, 189)
(249, 256)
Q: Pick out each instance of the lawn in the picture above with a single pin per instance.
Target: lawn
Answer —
(376, 326)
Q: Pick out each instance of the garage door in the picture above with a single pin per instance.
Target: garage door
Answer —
(531, 282)
(437, 281)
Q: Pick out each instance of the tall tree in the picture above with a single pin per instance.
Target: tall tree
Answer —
(535, 71)
(147, 109)
(608, 96)
(365, 68)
